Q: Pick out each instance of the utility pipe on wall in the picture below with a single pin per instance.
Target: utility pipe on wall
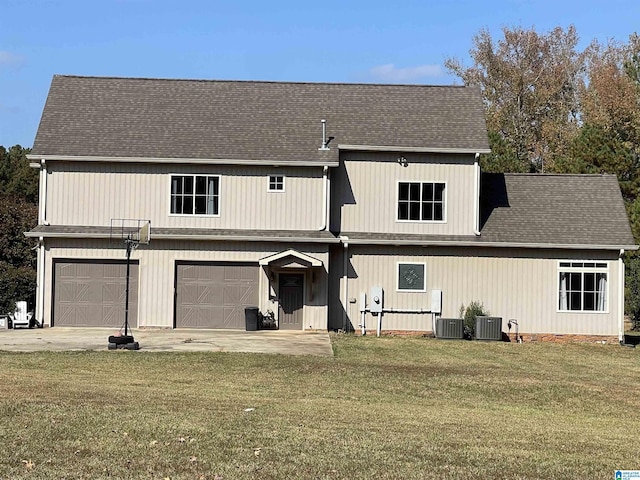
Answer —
(345, 280)
(621, 297)
(325, 198)
(403, 310)
(40, 283)
(386, 310)
(43, 193)
(476, 200)
(42, 220)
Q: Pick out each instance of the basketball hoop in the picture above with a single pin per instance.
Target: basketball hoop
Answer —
(131, 232)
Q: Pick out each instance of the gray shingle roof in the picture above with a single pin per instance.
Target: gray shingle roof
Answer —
(270, 121)
(554, 210)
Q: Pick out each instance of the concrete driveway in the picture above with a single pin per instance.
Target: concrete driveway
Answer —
(77, 339)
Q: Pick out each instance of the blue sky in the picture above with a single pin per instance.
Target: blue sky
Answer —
(317, 41)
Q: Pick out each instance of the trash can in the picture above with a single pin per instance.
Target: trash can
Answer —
(251, 319)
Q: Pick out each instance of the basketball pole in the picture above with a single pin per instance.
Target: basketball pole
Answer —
(130, 247)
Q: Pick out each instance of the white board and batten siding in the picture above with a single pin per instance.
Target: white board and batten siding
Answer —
(91, 193)
(365, 192)
(156, 267)
(512, 284)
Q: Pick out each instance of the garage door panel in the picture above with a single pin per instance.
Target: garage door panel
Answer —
(233, 273)
(214, 295)
(113, 315)
(92, 293)
(230, 316)
(112, 292)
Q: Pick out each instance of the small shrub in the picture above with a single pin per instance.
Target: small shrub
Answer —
(469, 314)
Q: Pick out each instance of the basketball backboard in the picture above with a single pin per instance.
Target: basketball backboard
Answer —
(130, 229)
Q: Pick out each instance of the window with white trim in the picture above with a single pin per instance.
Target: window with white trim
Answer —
(195, 194)
(582, 286)
(412, 277)
(276, 183)
(421, 201)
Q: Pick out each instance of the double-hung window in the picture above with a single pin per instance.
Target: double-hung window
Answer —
(421, 201)
(582, 287)
(195, 194)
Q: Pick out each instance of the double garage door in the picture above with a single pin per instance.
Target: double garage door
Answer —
(214, 295)
(92, 293)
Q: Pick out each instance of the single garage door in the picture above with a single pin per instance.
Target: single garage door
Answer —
(91, 293)
(214, 295)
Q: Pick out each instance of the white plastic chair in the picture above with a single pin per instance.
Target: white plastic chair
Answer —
(21, 318)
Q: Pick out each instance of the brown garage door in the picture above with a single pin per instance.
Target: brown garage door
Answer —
(214, 295)
(92, 293)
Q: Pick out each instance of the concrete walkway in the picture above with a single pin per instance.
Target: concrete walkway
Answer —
(75, 339)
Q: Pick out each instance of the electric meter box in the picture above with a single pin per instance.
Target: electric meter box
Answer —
(377, 300)
(436, 301)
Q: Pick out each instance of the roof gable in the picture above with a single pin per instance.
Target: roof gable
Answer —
(240, 121)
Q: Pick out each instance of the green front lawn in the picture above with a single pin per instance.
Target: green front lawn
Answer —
(395, 408)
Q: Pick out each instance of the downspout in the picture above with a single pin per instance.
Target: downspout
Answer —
(43, 193)
(42, 220)
(325, 198)
(40, 283)
(621, 297)
(345, 281)
(476, 202)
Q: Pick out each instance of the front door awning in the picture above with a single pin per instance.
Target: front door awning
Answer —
(290, 259)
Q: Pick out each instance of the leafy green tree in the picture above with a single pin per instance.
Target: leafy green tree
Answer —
(600, 150)
(17, 257)
(16, 177)
(16, 217)
(502, 158)
(18, 283)
(18, 214)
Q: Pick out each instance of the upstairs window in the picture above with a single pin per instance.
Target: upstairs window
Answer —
(421, 201)
(582, 287)
(276, 183)
(195, 194)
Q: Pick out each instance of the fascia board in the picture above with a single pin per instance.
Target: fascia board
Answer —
(392, 148)
(449, 243)
(155, 236)
(196, 161)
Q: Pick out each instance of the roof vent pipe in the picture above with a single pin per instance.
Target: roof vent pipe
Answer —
(324, 135)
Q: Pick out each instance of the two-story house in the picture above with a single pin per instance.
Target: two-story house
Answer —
(300, 197)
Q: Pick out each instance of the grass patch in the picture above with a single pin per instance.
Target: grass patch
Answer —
(381, 408)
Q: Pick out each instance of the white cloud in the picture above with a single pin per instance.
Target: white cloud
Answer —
(10, 59)
(390, 73)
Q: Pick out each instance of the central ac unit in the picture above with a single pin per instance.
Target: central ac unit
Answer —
(488, 328)
(450, 328)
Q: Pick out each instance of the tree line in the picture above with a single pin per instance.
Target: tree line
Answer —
(18, 214)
